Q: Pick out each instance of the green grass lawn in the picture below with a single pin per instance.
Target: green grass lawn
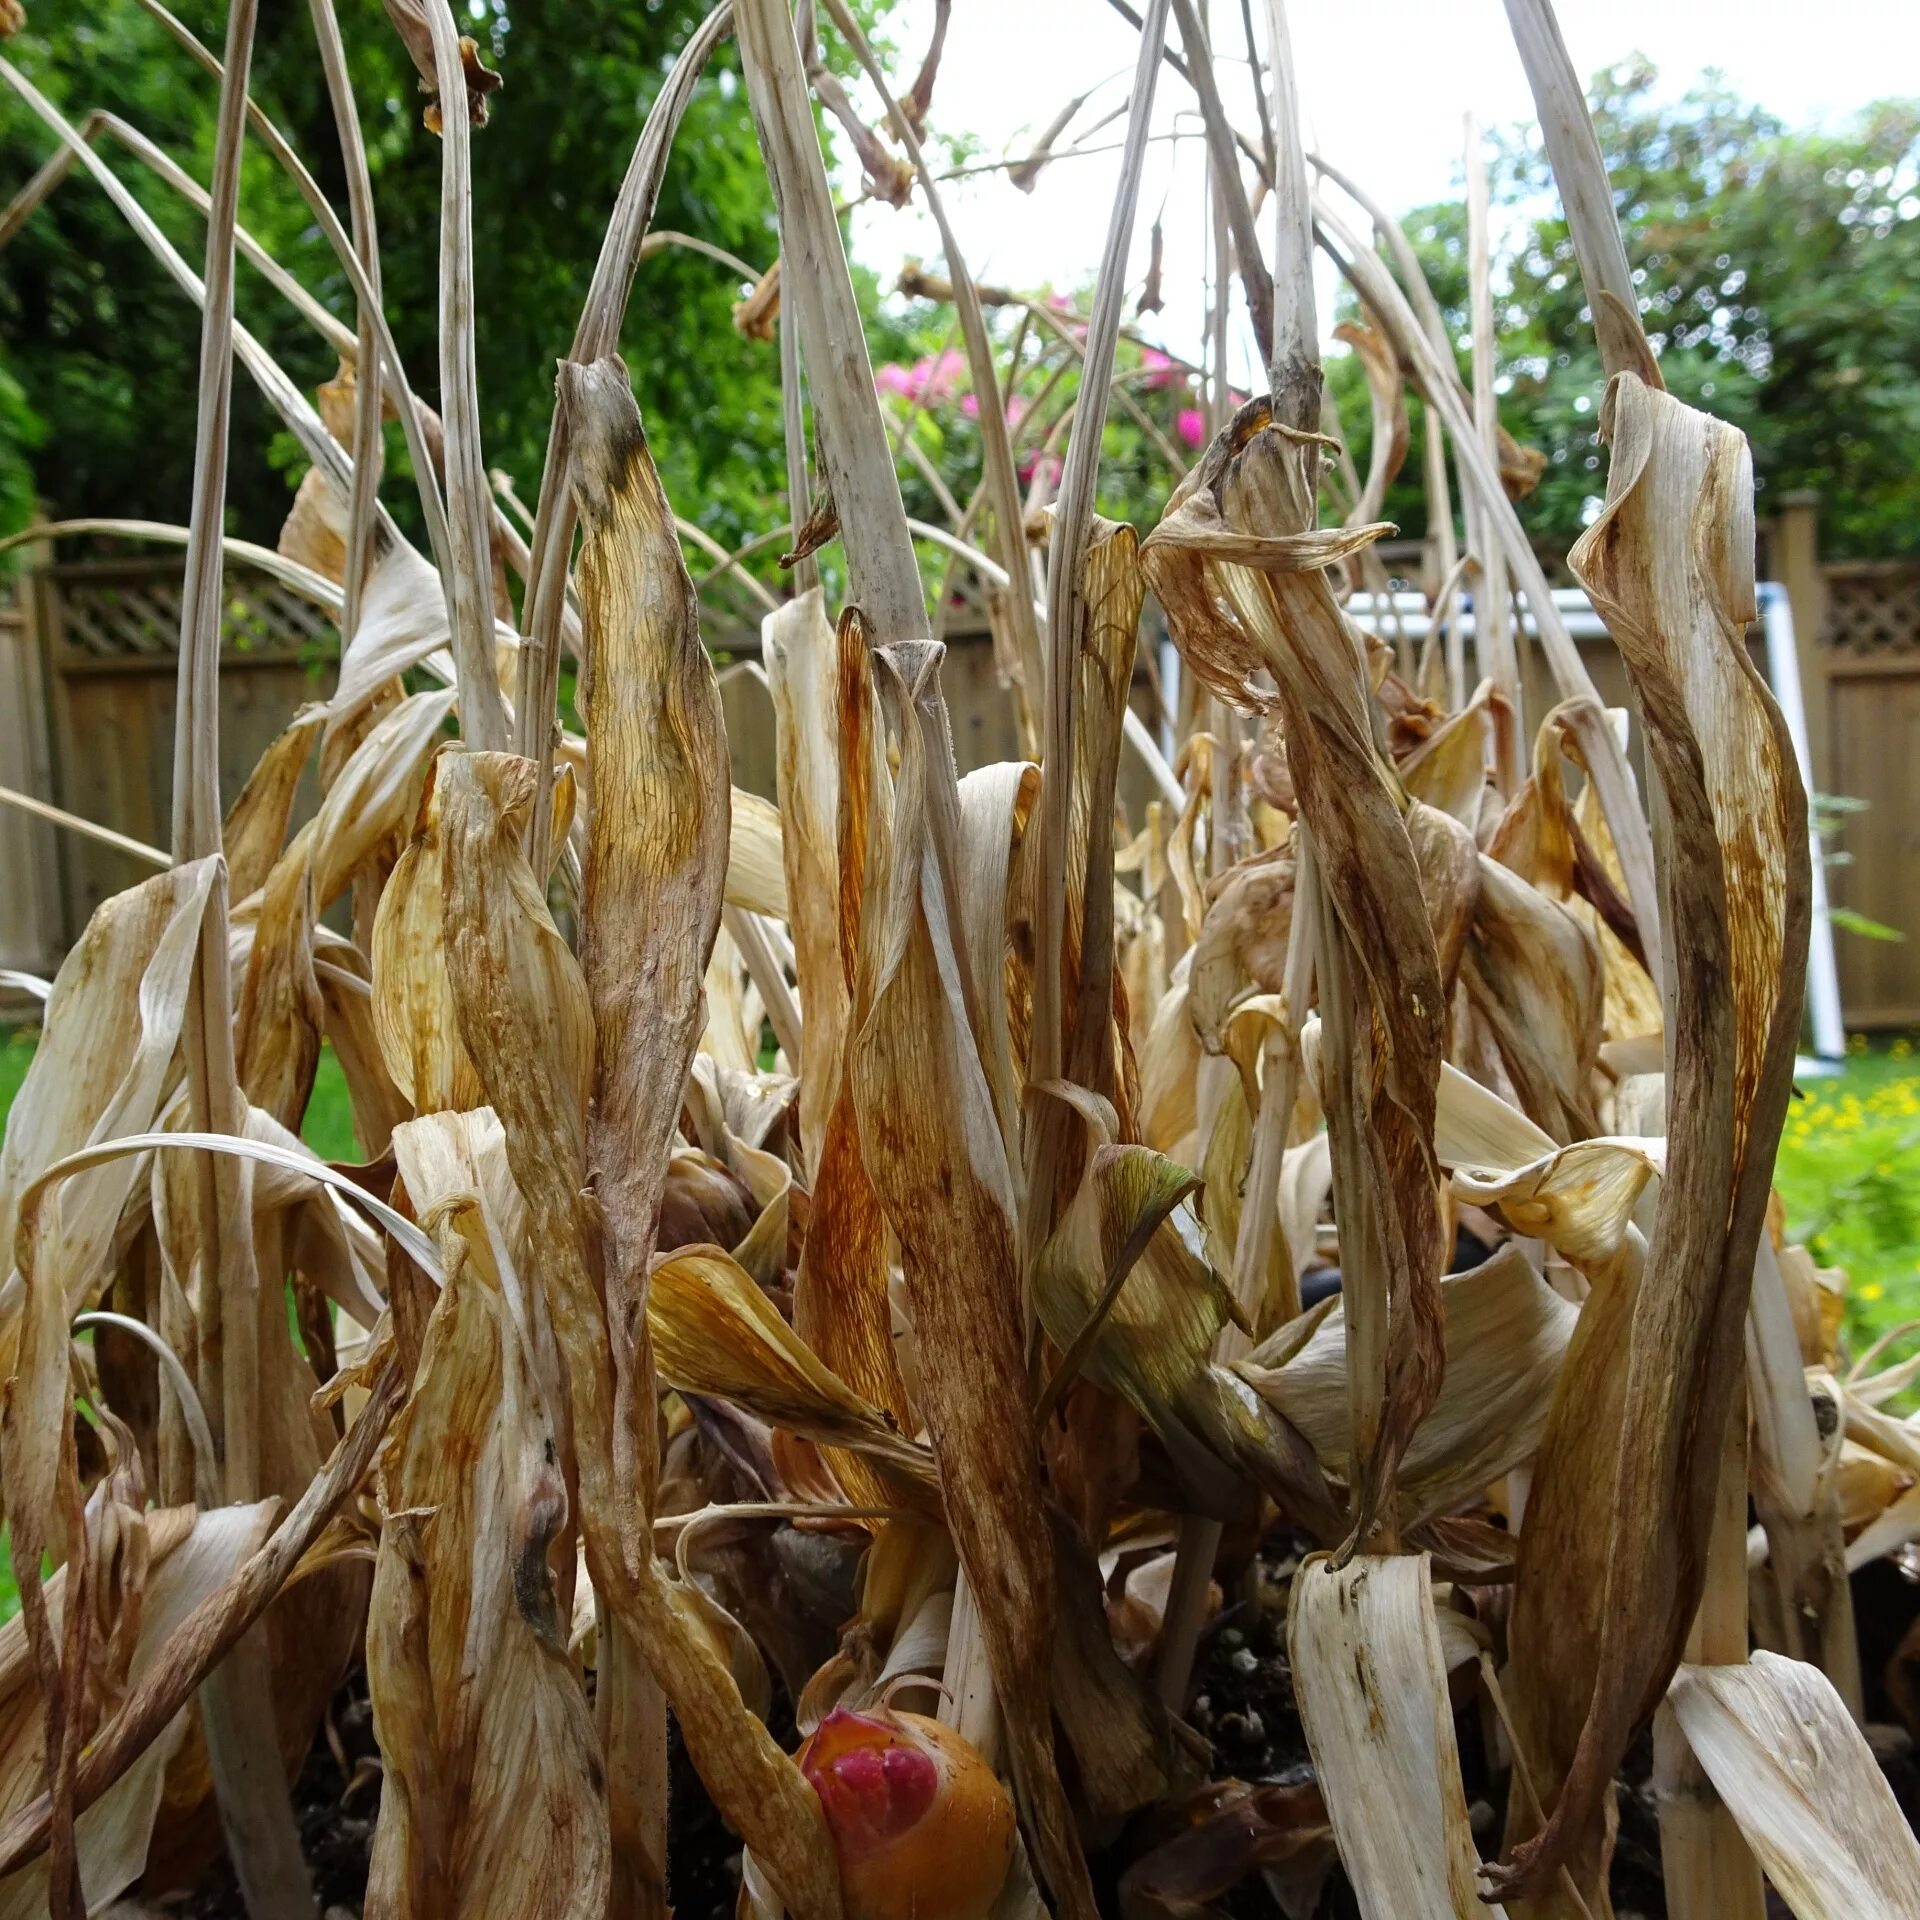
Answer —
(1849, 1172)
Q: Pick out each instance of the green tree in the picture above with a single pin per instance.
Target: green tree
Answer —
(1779, 277)
(105, 350)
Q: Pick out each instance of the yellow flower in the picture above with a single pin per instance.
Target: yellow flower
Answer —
(1872, 1290)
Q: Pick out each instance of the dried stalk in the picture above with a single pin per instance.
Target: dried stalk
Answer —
(1440, 388)
(1066, 614)
(414, 415)
(1002, 486)
(367, 446)
(236, 1703)
(1704, 1862)
(1493, 632)
(1226, 172)
(483, 715)
(211, 1631)
(1668, 563)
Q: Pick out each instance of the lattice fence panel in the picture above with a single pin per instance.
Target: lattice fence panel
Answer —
(1873, 612)
(117, 616)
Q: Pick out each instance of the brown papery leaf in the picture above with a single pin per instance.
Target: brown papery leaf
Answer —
(656, 867)
(801, 655)
(1245, 589)
(1372, 1686)
(755, 850)
(996, 810)
(525, 1017)
(1580, 1200)
(371, 804)
(656, 851)
(1448, 770)
(1387, 396)
(281, 1015)
(717, 1333)
(1669, 566)
(188, 1557)
(256, 823)
(1532, 972)
(1113, 588)
(840, 1296)
(492, 1801)
(410, 23)
(1231, 1831)
(1507, 1332)
(413, 1002)
(934, 1149)
(105, 1062)
(1785, 1756)
(1153, 1342)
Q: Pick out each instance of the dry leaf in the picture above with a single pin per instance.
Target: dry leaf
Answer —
(1785, 1755)
(1372, 1685)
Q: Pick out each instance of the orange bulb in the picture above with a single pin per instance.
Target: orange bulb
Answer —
(922, 1828)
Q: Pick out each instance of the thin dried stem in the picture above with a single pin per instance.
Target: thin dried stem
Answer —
(1440, 387)
(1003, 487)
(236, 1704)
(1573, 149)
(1246, 238)
(1493, 634)
(367, 447)
(1066, 614)
(483, 715)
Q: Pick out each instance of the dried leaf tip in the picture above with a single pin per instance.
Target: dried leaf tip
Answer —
(603, 419)
(409, 19)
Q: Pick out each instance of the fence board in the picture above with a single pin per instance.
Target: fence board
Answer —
(1867, 655)
(109, 656)
(91, 647)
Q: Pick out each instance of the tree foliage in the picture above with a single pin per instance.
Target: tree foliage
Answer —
(1779, 277)
(104, 349)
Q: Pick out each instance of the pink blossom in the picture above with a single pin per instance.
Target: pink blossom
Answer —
(1190, 426)
(1016, 408)
(1031, 461)
(1160, 370)
(930, 381)
(938, 375)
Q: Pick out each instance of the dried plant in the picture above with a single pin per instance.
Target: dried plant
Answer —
(851, 1250)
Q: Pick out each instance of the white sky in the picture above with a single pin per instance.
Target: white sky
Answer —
(1384, 86)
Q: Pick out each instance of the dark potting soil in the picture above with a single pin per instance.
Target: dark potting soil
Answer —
(1241, 1700)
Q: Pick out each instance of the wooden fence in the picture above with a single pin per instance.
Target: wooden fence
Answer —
(88, 659)
(89, 655)
(1859, 628)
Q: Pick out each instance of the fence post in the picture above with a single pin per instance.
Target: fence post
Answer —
(32, 908)
(1796, 562)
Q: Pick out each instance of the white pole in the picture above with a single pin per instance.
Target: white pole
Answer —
(1783, 671)
(1169, 694)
